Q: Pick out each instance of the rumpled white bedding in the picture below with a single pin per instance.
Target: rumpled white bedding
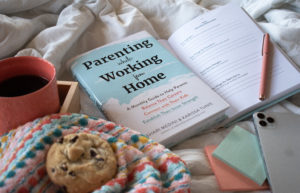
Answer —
(60, 29)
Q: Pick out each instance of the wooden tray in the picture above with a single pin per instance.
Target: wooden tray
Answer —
(69, 96)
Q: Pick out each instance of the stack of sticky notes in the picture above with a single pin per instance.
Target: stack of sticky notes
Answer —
(237, 162)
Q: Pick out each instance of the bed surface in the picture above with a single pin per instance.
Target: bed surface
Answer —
(61, 29)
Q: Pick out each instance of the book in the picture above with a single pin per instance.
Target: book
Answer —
(228, 178)
(138, 83)
(222, 47)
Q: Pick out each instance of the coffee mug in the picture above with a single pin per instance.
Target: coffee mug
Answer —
(28, 90)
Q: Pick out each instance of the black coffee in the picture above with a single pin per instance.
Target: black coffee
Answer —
(21, 85)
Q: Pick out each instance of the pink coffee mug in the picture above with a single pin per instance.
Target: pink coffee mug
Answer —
(16, 110)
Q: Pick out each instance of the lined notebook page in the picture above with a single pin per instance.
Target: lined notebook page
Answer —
(223, 47)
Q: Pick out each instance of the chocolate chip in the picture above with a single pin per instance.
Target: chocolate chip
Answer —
(74, 139)
(72, 173)
(52, 170)
(64, 167)
(64, 189)
(61, 140)
(60, 191)
(93, 153)
(99, 158)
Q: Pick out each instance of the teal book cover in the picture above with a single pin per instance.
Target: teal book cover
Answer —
(140, 84)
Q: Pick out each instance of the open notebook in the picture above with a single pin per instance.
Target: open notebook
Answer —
(224, 47)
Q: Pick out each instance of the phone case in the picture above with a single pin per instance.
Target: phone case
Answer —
(279, 138)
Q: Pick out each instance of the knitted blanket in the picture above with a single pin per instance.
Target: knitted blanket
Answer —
(144, 166)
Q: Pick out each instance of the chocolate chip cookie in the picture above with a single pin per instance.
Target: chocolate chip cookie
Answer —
(81, 162)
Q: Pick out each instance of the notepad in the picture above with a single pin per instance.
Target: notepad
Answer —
(240, 150)
(224, 48)
(228, 178)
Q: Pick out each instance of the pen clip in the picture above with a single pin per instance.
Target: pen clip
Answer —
(262, 47)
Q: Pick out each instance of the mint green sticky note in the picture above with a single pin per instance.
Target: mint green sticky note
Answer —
(240, 150)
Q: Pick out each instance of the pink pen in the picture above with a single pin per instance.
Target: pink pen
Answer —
(264, 71)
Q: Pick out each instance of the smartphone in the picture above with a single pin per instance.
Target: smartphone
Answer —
(279, 139)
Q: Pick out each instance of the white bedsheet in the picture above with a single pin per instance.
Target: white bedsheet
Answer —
(60, 29)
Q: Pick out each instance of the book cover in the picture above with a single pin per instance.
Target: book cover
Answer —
(139, 84)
